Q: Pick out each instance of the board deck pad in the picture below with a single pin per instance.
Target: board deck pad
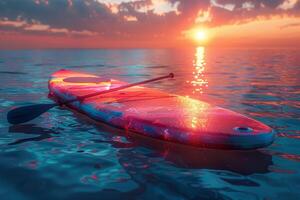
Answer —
(158, 114)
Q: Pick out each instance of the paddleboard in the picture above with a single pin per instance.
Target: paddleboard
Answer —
(158, 114)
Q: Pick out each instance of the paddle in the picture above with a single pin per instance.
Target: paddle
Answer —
(27, 113)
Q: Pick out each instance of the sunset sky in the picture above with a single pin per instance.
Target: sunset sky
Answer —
(148, 23)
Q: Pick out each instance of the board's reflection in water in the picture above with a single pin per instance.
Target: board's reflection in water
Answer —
(143, 159)
(183, 156)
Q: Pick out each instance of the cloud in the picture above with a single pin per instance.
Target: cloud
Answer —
(287, 4)
(133, 19)
(12, 23)
(130, 18)
(57, 13)
(37, 27)
(292, 25)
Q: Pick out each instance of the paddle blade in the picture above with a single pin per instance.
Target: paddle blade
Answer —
(27, 113)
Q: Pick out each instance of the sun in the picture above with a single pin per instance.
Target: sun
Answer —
(200, 35)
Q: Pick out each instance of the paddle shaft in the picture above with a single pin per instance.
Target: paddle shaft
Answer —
(171, 75)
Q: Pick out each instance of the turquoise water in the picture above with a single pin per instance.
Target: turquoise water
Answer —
(63, 155)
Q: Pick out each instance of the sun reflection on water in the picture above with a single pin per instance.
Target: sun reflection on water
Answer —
(199, 81)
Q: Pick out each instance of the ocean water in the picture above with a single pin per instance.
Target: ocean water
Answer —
(64, 155)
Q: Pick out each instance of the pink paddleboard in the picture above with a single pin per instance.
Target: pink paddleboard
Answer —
(160, 115)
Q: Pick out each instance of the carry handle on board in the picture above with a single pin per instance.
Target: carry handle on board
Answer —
(26, 113)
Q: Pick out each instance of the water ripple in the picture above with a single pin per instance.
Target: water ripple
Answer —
(64, 155)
